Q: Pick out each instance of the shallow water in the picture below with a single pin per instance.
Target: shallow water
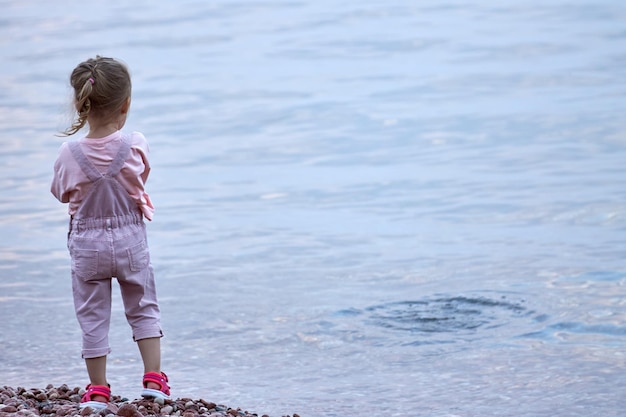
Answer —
(364, 208)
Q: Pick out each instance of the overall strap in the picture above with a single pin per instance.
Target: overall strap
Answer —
(85, 164)
(120, 158)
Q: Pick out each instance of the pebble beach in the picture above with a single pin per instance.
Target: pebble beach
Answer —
(64, 401)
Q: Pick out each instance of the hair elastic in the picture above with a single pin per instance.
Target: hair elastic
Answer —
(91, 80)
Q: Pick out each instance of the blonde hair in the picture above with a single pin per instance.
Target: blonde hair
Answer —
(101, 87)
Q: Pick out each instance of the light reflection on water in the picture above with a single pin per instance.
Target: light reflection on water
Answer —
(363, 208)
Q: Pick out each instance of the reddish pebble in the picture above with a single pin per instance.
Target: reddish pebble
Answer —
(128, 410)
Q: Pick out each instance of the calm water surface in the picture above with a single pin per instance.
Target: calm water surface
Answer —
(363, 207)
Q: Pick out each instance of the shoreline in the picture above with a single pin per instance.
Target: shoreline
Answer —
(64, 401)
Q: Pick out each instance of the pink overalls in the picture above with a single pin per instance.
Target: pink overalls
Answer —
(107, 239)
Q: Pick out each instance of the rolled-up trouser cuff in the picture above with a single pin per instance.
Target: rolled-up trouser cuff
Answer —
(95, 353)
(147, 333)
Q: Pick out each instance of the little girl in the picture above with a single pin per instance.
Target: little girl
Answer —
(102, 177)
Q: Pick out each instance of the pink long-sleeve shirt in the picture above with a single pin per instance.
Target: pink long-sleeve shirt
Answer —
(70, 184)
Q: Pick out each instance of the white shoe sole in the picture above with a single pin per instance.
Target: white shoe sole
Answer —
(96, 405)
(154, 393)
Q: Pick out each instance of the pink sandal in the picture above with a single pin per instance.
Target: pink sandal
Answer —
(92, 390)
(161, 380)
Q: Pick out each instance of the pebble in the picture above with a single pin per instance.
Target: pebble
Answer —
(63, 401)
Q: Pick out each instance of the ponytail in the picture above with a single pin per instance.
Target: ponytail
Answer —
(101, 86)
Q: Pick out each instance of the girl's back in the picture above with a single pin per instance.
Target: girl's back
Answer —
(102, 176)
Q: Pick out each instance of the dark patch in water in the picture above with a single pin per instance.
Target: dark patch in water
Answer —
(444, 315)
